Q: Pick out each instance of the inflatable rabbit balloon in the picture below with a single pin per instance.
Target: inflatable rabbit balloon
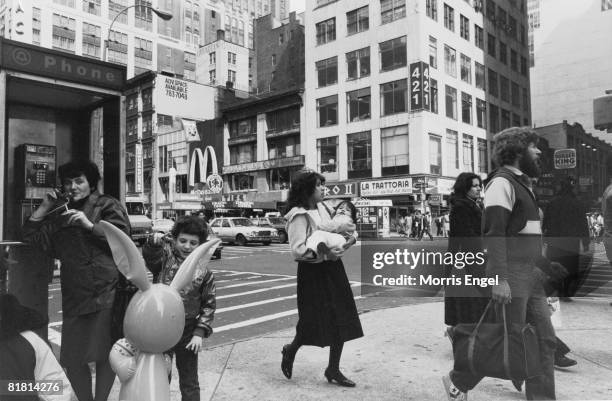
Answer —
(154, 319)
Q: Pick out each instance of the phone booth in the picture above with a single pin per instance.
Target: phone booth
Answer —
(373, 218)
(54, 107)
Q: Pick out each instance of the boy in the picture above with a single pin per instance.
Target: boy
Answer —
(163, 256)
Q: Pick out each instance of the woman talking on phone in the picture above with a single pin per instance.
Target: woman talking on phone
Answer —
(66, 227)
(327, 315)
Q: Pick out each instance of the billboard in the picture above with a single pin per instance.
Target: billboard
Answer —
(186, 99)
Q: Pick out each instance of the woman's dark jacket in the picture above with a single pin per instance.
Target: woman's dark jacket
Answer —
(88, 273)
(465, 225)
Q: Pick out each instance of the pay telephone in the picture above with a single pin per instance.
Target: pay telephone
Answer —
(35, 175)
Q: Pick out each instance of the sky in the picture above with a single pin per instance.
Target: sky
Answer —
(297, 5)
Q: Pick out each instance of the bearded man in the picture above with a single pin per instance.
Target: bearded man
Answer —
(512, 236)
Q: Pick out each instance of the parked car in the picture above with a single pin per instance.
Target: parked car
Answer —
(163, 226)
(277, 223)
(241, 231)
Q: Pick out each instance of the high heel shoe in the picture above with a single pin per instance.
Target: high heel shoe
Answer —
(339, 378)
(287, 362)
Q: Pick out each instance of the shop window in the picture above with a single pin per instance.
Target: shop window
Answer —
(357, 20)
(326, 31)
(242, 181)
(327, 152)
(392, 10)
(284, 147)
(481, 113)
(431, 9)
(466, 69)
(327, 110)
(244, 153)
(466, 108)
(358, 105)
(493, 118)
(359, 154)
(395, 154)
(358, 63)
(468, 153)
(452, 150)
(483, 156)
(449, 17)
(392, 54)
(280, 178)
(327, 71)
(394, 97)
(435, 154)
(283, 120)
(451, 102)
(92, 7)
(244, 127)
(433, 52)
(450, 61)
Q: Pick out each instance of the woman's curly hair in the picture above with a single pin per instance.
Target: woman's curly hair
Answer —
(302, 187)
(511, 143)
(463, 184)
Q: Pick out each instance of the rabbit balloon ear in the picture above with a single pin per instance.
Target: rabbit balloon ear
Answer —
(126, 256)
(198, 259)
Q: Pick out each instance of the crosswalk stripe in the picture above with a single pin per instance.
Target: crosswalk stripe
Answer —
(265, 301)
(54, 337)
(256, 291)
(254, 282)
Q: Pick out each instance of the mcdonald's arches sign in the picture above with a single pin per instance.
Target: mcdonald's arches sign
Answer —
(197, 169)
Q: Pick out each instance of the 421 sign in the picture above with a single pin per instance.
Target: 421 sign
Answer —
(419, 86)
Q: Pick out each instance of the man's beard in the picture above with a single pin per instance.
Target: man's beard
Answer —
(530, 167)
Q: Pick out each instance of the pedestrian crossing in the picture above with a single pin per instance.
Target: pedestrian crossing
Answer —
(235, 251)
(249, 304)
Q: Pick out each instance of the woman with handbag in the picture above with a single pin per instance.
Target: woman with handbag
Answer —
(327, 315)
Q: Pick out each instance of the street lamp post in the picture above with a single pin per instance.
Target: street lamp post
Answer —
(166, 16)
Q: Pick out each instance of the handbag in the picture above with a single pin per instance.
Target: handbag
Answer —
(503, 350)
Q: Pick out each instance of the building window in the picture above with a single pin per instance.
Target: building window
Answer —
(164, 159)
(281, 38)
(491, 10)
(491, 45)
(91, 40)
(504, 88)
(358, 105)
(433, 52)
(478, 37)
(212, 58)
(359, 146)
(451, 102)
(435, 154)
(143, 53)
(67, 3)
(505, 119)
(513, 60)
(279, 178)
(503, 53)
(212, 76)
(523, 66)
(36, 21)
(283, 120)
(245, 153)
(516, 120)
(493, 90)
(92, 7)
(431, 7)
(231, 58)
(132, 124)
(481, 113)
(394, 147)
(117, 51)
(63, 33)
(525, 99)
(493, 118)
(464, 27)
(392, 54)
(143, 15)
(433, 85)
(452, 154)
(392, 10)
(483, 156)
(326, 31)
(516, 97)
(479, 75)
(512, 27)
(242, 181)
(231, 76)
(280, 148)
(115, 8)
(327, 110)
(327, 71)
(449, 17)
(466, 108)
(327, 152)
(450, 61)
(164, 121)
(394, 97)
(468, 153)
(243, 127)
(466, 69)
(358, 63)
(357, 20)
(606, 5)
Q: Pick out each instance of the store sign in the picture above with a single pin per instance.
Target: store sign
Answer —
(373, 202)
(340, 190)
(198, 166)
(139, 171)
(264, 165)
(395, 186)
(185, 99)
(424, 182)
(53, 64)
(419, 86)
(565, 158)
(215, 183)
(435, 199)
(584, 181)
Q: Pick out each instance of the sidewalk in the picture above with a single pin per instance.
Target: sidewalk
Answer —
(402, 357)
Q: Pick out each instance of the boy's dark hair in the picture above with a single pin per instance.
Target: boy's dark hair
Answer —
(351, 207)
(512, 143)
(81, 167)
(15, 318)
(302, 187)
(192, 225)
